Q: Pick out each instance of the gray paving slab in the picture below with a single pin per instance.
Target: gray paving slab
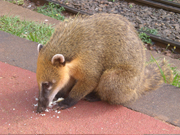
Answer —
(163, 104)
(18, 52)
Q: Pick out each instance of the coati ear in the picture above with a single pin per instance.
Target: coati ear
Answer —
(39, 47)
(58, 58)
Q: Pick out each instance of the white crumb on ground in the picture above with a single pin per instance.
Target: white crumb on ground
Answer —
(42, 114)
(46, 110)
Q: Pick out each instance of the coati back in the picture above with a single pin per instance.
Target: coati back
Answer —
(97, 57)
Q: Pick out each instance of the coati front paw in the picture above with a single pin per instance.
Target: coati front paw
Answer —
(92, 97)
(60, 107)
(66, 103)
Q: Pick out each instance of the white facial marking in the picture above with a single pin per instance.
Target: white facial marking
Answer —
(55, 91)
(60, 85)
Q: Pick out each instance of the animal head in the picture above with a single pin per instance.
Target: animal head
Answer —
(52, 75)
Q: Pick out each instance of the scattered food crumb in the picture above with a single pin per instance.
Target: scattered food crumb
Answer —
(59, 100)
(35, 104)
(42, 114)
(59, 111)
(51, 104)
(36, 99)
(46, 110)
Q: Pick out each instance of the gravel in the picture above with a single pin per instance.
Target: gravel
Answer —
(167, 23)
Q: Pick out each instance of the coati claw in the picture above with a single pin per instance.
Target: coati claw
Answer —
(60, 107)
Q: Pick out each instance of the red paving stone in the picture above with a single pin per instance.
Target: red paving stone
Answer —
(17, 112)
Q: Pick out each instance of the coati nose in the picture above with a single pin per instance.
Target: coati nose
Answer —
(40, 109)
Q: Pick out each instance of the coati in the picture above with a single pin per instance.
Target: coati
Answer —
(97, 57)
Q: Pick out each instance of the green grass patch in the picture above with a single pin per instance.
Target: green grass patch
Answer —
(176, 80)
(19, 2)
(39, 33)
(145, 38)
(150, 31)
(51, 10)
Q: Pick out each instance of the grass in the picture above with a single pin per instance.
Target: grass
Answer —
(19, 2)
(176, 80)
(51, 10)
(176, 73)
(148, 30)
(32, 31)
(145, 38)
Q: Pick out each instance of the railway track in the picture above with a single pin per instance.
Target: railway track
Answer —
(164, 4)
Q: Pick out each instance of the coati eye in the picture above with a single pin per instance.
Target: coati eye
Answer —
(47, 85)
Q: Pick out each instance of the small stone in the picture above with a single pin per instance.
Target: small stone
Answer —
(177, 37)
(138, 20)
(96, 9)
(176, 26)
(167, 32)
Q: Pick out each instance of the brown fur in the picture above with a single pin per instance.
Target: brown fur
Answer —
(103, 54)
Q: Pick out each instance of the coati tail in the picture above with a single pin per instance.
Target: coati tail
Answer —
(156, 74)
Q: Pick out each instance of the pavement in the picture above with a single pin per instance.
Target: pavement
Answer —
(156, 112)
